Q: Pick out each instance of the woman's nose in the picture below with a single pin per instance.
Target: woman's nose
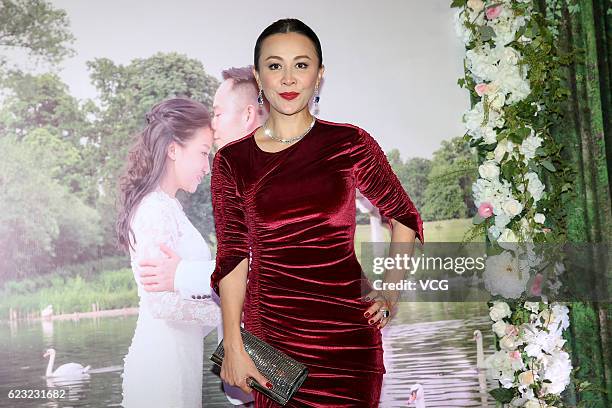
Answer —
(288, 78)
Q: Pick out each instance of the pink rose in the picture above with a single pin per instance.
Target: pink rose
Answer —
(481, 89)
(493, 12)
(515, 355)
(485, 210)
(536, 287)
(511, 330)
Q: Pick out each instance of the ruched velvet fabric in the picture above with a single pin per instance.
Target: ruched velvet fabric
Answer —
(293, 213)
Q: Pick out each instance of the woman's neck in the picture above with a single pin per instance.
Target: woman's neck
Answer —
(168, 186)
(288, 126)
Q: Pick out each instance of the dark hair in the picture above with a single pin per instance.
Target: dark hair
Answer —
(172, 120)
(243, 78)
(284, 26)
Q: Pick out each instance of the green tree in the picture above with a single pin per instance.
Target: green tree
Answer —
(448, 194)
(36, 27)
(42, 225)
(412, 173)
(39, 108)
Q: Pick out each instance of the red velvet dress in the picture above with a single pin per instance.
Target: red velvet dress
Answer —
(295, 211)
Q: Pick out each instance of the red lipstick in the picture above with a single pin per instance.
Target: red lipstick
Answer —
(289, 95)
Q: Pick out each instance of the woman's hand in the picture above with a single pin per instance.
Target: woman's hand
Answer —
(236, 369)
(376, 312)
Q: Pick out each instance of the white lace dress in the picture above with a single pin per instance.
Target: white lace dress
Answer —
(163, 367)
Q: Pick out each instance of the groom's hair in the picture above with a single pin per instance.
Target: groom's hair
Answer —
(243, 81)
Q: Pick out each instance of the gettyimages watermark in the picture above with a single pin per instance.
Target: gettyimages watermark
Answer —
(454, 272)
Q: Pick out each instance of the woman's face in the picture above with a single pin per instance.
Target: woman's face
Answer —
(288, 71)
(191, 162)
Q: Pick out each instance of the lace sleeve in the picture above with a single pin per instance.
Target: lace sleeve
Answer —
(156, 222)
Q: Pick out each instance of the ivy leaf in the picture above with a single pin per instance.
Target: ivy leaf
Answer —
(459, 3)
(503, 395)
(486, 32)
(478, 219)
(548, 166)
(514, 137)
(523, 132)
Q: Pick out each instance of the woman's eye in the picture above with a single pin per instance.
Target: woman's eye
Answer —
(274, 66)
(301, 65)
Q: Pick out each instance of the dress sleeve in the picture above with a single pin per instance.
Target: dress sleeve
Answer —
(377, 182)
(230, 221)
(156, 223)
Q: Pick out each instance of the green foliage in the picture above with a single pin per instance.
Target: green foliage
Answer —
(36, 27)
(448, 193)
(39, 111)
(113, 289)
(41, 224)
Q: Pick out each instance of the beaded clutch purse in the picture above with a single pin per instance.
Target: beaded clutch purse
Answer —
(285, 373)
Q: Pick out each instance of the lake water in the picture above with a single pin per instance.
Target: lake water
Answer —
(427, 343)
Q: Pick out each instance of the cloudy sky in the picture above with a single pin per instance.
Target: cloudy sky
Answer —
(391, 65)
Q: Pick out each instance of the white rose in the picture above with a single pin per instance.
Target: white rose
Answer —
(489, 135)
(507, 239)
(533, 404)
(497, 100)
(499, 310)
(476, 5)
(508, 343)
(512, 207)
(500, 150)
(532, 306)
(557, 368)
(526, 378)
(539, 218)
(499, 328)
(529, 146)
(534, 186)
(489, 170)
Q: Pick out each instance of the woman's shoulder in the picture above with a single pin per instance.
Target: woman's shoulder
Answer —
(236, 148)
(340, 126)
(353, 132)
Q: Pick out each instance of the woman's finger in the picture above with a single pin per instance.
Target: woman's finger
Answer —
(372, 310)
(244, 385)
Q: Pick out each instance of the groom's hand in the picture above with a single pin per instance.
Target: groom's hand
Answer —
(157, 275)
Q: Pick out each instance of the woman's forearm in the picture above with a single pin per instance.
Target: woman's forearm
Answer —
(232, 289)
(402, 243)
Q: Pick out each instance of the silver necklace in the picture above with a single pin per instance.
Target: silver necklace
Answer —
(268, 132)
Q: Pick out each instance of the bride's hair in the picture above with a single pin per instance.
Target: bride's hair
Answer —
(172, 120)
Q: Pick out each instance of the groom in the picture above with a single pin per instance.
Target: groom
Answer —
(235, 114)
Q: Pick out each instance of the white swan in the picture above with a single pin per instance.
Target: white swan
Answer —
(479, 350)
(47, 312)
(417, 396)
(66, 370)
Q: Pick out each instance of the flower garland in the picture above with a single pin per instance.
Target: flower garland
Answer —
(531, 359)
(512, 73)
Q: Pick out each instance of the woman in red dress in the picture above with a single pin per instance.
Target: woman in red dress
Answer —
(284, 207)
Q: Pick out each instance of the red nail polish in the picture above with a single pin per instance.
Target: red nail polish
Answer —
(367, 314)
(371, 321)
(367, 299)
(269, 385)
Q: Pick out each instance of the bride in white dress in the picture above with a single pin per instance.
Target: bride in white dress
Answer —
(163, 367)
